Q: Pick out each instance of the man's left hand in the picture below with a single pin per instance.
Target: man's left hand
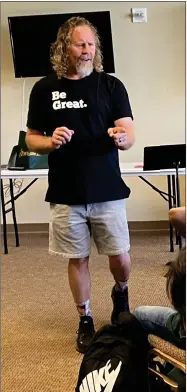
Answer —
(120, 137)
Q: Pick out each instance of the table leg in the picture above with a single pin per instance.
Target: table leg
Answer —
(178, 202)
(174, 201)
(4, 219)
(170, 206)
(14, 212)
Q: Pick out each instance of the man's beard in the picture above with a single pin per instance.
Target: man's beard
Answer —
(84, 68)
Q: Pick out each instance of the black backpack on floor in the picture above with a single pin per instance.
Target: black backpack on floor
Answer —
(116, 361)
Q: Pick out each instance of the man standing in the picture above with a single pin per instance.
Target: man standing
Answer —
(81, 116)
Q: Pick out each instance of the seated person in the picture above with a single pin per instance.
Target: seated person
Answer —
(177, 217)
(167, 323)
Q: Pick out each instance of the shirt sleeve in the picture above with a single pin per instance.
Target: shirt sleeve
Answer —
(120, 102)
(37, 112)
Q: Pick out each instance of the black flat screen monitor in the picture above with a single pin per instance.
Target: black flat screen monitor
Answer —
(31, 38)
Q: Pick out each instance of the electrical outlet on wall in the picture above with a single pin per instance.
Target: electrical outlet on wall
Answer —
(139, 15)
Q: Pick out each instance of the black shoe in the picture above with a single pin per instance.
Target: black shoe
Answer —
(85, 333)
(120, 303)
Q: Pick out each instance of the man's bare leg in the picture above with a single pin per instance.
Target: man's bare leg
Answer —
(79, 281)
(120, 266)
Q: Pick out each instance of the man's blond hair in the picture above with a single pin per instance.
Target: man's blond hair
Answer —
(59, 49)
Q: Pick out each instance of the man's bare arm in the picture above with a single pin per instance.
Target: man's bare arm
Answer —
(37, 142)
(41, 144)
(123, 133)
(128, 125)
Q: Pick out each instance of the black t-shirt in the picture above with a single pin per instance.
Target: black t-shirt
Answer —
(86, 170)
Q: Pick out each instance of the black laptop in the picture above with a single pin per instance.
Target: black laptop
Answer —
(164, 157)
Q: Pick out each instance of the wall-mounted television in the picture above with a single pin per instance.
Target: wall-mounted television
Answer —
(31, 37)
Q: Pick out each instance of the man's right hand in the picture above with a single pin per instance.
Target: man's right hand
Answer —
(61, 136)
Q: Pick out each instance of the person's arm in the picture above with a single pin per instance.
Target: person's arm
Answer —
(37, 142)
(38, 121)
(123, 130)
(123, 133)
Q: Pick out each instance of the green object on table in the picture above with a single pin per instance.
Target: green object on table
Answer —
(28, 159)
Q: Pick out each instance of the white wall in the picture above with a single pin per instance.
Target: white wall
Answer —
(149, 59)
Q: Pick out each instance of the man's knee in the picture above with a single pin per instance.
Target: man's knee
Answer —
(145, 314)
(177, 217)
(141, 311)
(79, 263)
(177, 214)
(120, 265)
(120, 260)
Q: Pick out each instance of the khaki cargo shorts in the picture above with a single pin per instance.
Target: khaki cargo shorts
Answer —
(69, 229)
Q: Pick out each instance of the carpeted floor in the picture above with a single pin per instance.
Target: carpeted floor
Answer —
(38, 315)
